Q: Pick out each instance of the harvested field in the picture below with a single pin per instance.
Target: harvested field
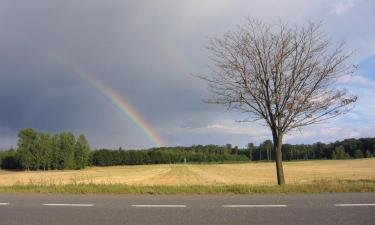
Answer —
(200, 174)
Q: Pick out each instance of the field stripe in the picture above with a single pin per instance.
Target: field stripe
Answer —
(348, 205)
(160, 206)
(252, 206)
(74, 205)
(4, 203)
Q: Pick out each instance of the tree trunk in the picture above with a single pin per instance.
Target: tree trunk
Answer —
(277, 143)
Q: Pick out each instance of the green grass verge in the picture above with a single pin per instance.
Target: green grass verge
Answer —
(314, 187)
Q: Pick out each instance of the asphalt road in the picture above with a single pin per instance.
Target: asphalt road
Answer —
(41, 209)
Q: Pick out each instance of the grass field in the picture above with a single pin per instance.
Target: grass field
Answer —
(298, 172)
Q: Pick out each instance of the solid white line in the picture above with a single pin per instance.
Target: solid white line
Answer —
(82, 205)
(252, 206)
(354, 205)
(4, 203)
(160, 206)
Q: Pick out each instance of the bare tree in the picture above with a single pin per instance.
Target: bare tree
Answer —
(280, 74)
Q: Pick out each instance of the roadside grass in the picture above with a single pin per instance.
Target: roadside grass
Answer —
(317, 186)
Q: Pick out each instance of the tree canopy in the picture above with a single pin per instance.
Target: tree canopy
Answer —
(280, 74)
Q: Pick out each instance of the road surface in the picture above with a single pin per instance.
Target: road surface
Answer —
(42, 209)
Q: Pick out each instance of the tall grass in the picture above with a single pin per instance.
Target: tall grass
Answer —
(318, 186)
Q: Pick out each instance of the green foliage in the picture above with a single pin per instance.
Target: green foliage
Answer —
(57, 156)
(265, 150)
(9, 160)
(340, 153)
(250, 149)
(166, 155)
(66, 148)
(38, 150)
(334, 155)
(358, 154)
(338, 150)
(82, 151)
(43, 151)
(27, 148)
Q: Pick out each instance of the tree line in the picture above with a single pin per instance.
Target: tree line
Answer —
(167, 155)
(346, 149)
(43, 151)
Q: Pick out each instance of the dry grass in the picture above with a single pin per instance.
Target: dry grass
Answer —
(205, 174)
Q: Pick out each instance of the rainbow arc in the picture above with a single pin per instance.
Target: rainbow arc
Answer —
(117, 100)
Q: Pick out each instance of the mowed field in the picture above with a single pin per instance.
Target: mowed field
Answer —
(200, 174)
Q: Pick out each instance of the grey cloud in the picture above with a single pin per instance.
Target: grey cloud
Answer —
(146, 50)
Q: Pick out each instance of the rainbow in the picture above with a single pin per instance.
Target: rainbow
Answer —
(123, 105)
(119, 101)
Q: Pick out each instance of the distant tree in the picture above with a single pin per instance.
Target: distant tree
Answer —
(340, 153)
(368, 154)
(9, 160)
(63, 150)
(27, 147)
(234, 150)
(350, 145)
(251, 148)
(358, 154)
(67, 141)
(82, 151)
(266, 147)
(45, 150)
(333, 156)
(57, 155)
(227, 150)
(280, 74)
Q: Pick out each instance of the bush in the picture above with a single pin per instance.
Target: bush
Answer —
(334, 155)
(358, 154)
(340, 153)
(9, 160)
(10, 163)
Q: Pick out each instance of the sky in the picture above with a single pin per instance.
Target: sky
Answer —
(121, 72)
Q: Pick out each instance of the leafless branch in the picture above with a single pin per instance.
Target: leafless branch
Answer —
(281, 74)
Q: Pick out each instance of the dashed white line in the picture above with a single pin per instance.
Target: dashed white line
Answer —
(252, 206)
(160, 206)
(4, 203)
(74, 205)
(344, 205)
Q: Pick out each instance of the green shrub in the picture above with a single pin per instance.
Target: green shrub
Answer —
(358, 154)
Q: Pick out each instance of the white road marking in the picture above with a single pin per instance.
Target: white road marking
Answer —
(77, 205)
(160, 206)
(343, 205)
(4, 203)
(252, 206)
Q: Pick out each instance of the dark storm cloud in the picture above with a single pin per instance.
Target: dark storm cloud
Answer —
(110, 42)
(146, 50)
